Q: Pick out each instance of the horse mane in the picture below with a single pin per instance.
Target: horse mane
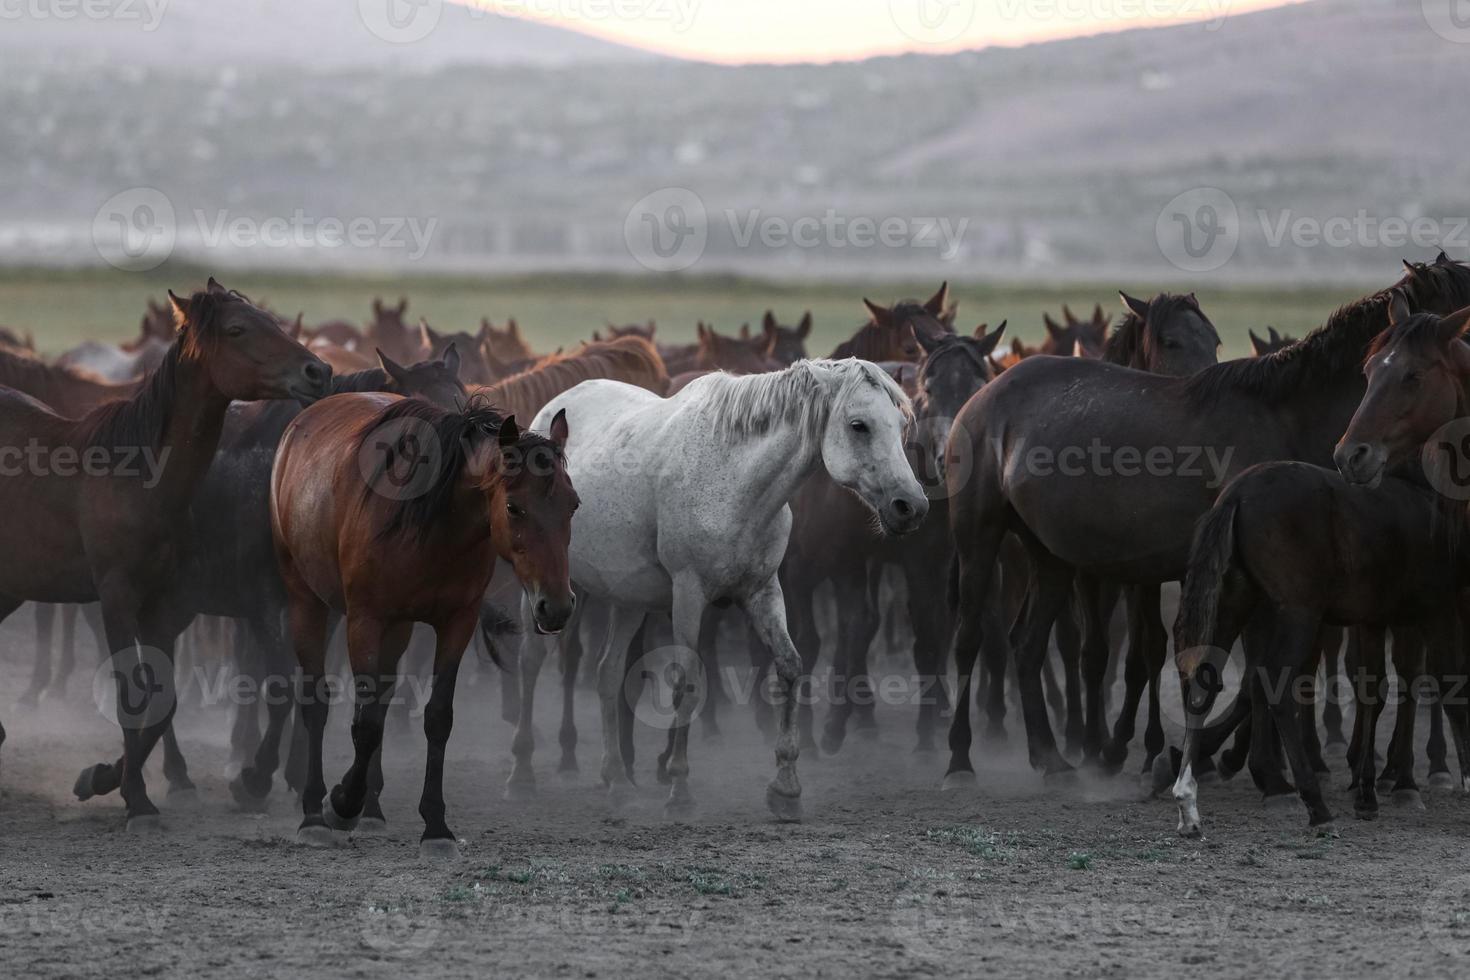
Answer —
(25, 371)
(1421, 333)
(459, 435)
(746, 406)
(1338, 346)
(366, 380)
(1125, 346)
(630, 359)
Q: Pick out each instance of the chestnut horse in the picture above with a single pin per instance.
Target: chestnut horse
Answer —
(444, 493)
(110, 528)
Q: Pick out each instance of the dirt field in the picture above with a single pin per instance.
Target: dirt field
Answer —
(887, 876)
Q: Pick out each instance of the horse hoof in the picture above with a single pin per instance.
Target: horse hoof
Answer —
(317, 835)
(145, 823)
(1163, 774)
(1190, 831)
(438, 851)
(661, 774)
(1409, 799)
(1059, 775)
(786, 809)
(1385, 785)
(1365, 813)
(233, 768)
(567, 766)
(679, 806)
(244, 799)
(1279, 802)
(925, 747)
(520, 790)
(1443, 781)
(832, 742)
(959, 781)
(1325, 831)
(370, 827)
(712, 735)
(336, 821)
(620, 795)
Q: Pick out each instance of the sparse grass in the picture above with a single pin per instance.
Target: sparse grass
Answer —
(716, 881)
(64, 307)
(1079, 861)
(978, 841)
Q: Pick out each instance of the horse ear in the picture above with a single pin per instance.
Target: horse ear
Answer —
(881, 315)
(559, 429)
(804, 328)
(510, 433)
(299, 327)
(1068, 315)
(430, 334)
(513, 328)
(745, 331)
(486, 329)
(1274, 334)
(930, 342)
(597, 336)
(768, 324)
(1443, 259)
(937, 302)
(214, 287)
(498, 368)
(1258, 346)
(1398, 309)
(1137, 307)
(181, 309)
(991, 340)
(392, 367)
(377, 306)
(451, 359)
(402, 305)
(1098, 316)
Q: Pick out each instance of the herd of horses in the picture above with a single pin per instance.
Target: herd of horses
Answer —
(998, 503)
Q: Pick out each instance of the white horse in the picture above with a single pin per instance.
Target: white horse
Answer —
(685, 503)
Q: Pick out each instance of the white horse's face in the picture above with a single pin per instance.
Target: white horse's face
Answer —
(862, 449)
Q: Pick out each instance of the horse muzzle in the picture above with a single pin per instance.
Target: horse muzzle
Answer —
(550, 615)
(1359, 463)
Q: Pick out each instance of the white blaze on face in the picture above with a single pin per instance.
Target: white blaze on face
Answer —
(1186, 795)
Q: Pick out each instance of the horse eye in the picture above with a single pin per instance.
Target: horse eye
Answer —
(858, 425)
(234, 330)
(515, 512)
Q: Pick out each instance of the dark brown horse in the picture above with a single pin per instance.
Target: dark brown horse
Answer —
(1271, 343)
(67, 392)
(892, 332)
(1316, 547)
(446, 493)
(787, 345)
(96, 516)
(1104, 470)
(1082, 338)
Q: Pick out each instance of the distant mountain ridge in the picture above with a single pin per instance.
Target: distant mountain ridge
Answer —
(1056, 160)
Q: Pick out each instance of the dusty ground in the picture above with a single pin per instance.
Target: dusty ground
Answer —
(887, 876)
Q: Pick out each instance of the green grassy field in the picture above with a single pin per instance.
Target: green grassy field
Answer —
(65, 307)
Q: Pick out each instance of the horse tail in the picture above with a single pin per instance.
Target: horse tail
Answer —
(495, 624)
(1210, 560)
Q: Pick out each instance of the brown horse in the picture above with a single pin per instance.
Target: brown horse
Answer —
(66, 391)
(445, 493)
(1316, 548)
(507, 346)
(892, 332)
(786, 345)
(98, 514)
(632, 360)
(613, 331)
(1083, 338)
(1271, 343)
(1166, 445)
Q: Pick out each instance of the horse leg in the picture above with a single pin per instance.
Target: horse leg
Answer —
(689, 610)
(709, 652)
(571, 663)
(534, 650)
(41, 669)
(8, 605)
(1294, 643)
(972, 617)
(766, 609)
(1409, 661)
(611, 684)
(1051, 585)
(245, 732)
(1265, 742)
(1331, 651)
(1097, 608)
(262, 635)
(373, 648)
(1307, 710)
(1070, 637)
(1135, 680)
(1437, 749)
(856, 627)
(1371, 667)
(450, 640)
(801, 601)
(931, 622)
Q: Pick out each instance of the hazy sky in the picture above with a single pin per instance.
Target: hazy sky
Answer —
(824, 30)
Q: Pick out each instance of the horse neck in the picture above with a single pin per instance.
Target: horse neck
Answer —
(783, 458)
(195, 410)
(865, 344)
